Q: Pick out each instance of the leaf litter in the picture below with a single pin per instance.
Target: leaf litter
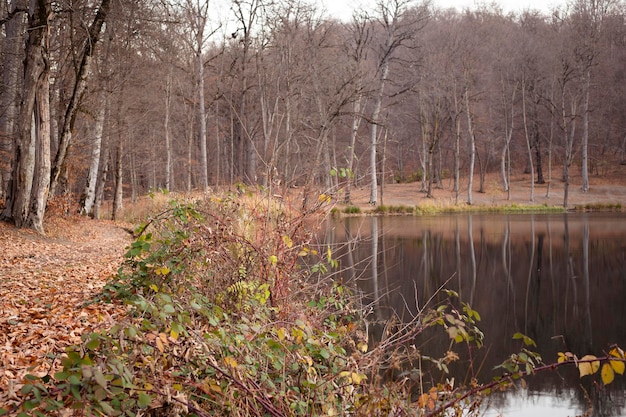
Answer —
(45, 282)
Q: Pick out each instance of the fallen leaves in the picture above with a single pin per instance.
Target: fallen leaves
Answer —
(44, 283)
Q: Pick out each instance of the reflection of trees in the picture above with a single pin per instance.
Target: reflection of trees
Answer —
(506, 265)
(555, 272)
(470, 235)
(588, 337)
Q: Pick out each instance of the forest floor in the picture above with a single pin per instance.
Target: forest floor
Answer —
(608, 189)
(45, 280)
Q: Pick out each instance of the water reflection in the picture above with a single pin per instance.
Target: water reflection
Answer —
(560, 279)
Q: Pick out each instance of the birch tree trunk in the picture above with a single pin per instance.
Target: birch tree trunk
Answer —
(528, 146)
(470, 131)
(585, 138)
(42, 155)
(204, 166)
(168, 136)
(354, 129)
(374, 129)
(89, 194)
(118, 194)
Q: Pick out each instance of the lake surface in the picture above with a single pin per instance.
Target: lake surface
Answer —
(558, 278)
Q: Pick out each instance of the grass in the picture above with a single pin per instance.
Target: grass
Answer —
(443, 208)
(599, 207)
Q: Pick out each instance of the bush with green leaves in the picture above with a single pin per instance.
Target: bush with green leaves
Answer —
(219, 322)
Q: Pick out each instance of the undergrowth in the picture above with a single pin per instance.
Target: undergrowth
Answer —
(224, 318)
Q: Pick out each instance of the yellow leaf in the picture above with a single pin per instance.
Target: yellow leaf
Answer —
(160, 345)
(164, 270)
(562, 357)
(362, 346)
(589, 366)
(230, 361)
(345, 374)
(617, 352)
(174, 334)
(154, 288)
(281, 334)
(214, 387)
(618, 367)
(148, 387)
(287, 241)
(357, 378)
(607, 374)
(177, 387)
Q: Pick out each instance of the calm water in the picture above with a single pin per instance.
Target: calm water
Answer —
(560, 279)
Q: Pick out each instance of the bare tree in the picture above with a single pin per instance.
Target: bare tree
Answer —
(398, 25)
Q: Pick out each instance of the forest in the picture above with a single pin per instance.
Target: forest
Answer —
(106, 100)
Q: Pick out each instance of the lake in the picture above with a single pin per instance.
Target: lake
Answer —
(557, 278)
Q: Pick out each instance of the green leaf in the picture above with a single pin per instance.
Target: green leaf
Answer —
(100, 379)
(144, 400)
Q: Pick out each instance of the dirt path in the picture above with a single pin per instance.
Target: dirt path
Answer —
(44, 282)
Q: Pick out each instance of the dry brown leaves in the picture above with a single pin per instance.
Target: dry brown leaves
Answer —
(44, 283)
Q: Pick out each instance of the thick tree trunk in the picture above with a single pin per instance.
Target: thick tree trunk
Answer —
(27, 187)
(12, 70)
(80, 85)
(42, 156)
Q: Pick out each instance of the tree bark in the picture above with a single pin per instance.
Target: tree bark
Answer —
(27, 187)
(13, 69)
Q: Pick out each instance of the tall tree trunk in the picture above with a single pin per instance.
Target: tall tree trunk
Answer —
(80, 84)
(585, 138)
(89, 194)
(101, 183)
(13, 69)
(42, 155)
(528, 146)
(168, 136)
(204, 166)
(374, 131)
(457, 145)
(26, 184)
(118, 193)
(354, 129)
(472, 139)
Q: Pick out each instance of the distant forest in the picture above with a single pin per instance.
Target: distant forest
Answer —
(108, 99)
